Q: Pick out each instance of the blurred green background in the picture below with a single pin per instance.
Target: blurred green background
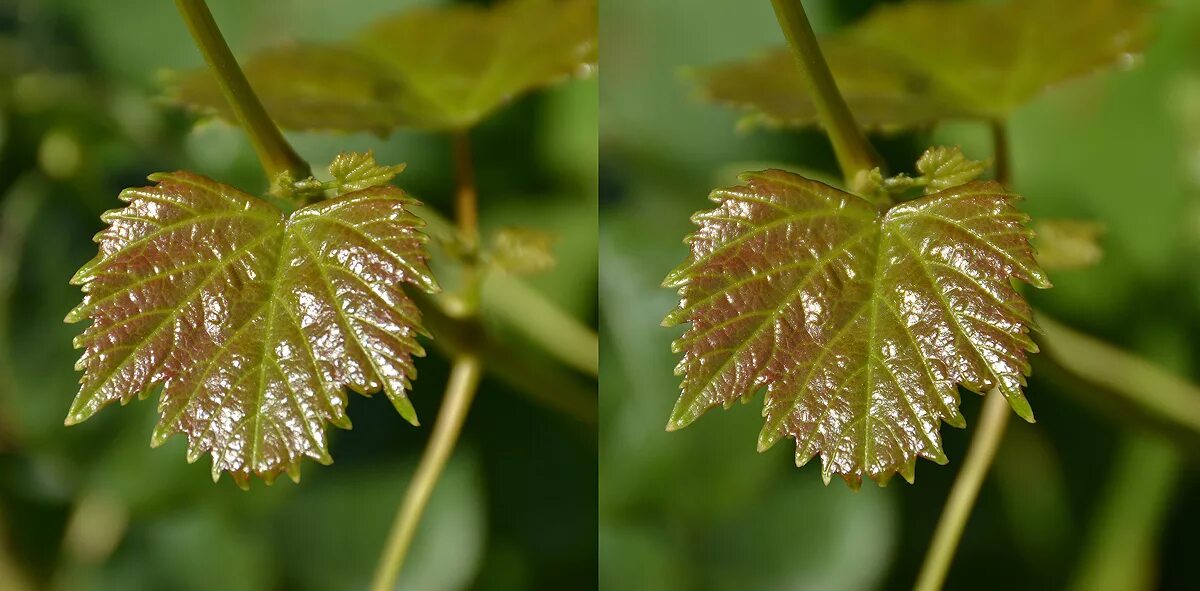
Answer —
(1082, 498)
(93, 507)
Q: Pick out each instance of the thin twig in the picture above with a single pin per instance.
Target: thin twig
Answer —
(464, 380)
(988, 434)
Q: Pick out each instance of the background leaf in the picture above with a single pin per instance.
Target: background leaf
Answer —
(918, 62)
(859, 324)
(252, 321)
(443, 68)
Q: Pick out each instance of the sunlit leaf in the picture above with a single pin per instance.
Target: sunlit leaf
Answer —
(858, 322)
(921, 61)
(436, 68)
(1068, 244)
(252, 320)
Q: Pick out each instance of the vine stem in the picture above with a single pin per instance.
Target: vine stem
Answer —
(466, 209)
(854, 153)
(464, 381)
(984, 443)
(274, 152)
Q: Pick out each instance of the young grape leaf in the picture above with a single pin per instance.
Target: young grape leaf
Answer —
(859, 322)
(915, 63)
(355, 171)
(252, 320)
(444, 68)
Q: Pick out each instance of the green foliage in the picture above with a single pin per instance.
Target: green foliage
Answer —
(252, 320)
(860, 322)
(443, 68)
(919, 62)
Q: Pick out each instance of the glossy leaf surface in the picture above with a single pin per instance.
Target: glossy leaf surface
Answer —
(858, 323)
(253, 321)
(921, 61)
(443, 68)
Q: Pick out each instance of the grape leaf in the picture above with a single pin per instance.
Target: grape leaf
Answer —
(443, 68)
(858, 322)
(252, 320)
(355, 171)
(915, 63)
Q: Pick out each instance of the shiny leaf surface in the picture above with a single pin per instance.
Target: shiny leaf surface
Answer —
(921, 61)
(251, 320)
(443, 68)
(858, 323)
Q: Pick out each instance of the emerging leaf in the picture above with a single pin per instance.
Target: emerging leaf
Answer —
(355, 171)
(859, 322)
(1068, 244)
(444, 68)
(252, 320)
(921, 61)
(943, 168)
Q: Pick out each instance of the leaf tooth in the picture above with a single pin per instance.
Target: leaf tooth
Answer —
(683, 414)
(293, 471)
(1019, 404)
(403, 406)
(956, 420)
(853, 480)
(194, 452)
(826, 469)
(938, 455)
(767, 438)
(908, 469)
(162, 432)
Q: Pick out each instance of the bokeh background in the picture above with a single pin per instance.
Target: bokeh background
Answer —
(1084, 498)
(92, 506)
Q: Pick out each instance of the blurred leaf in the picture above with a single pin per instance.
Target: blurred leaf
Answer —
(253, 321)
(441, 68)
(523, 250)
(1068, 244)
(918, 62)
(859, 323)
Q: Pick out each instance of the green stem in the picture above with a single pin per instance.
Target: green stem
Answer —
(544, 383)
(460, 391)
(1141, 386)
(1000, 153)
(466, 209)
(274, 152)
(539, 319)
(854, 153)
(966, 487)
